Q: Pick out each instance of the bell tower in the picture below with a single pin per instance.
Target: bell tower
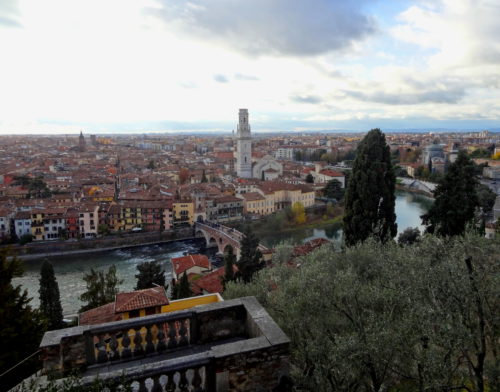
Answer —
(243, 146)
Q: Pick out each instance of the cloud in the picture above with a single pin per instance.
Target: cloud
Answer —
(463, 32)
(311, 99)
(272, 27)
(239, 76)
(221, 78)
(9, 13)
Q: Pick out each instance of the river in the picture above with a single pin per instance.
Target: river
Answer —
(70, 270)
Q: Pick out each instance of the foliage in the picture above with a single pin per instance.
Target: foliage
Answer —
(150, 273)
(486, 197)
(182, 289)
(480, 153)
(370, 196)
(282, 253)
(333, 190)
(310, 179)
(329, 157)
(204, 177)
(455, 199)
(25, 238)
(101, 288)
(36, 186)
(299, 213)
(381, 317)
(50, 301)
(21, 327)
(250, 256)
(73, 383)
(229, 262)
(103, 229)
(151, 164)
(400, 172)
(409, 236)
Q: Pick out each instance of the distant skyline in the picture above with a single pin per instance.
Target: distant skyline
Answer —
(123, 66)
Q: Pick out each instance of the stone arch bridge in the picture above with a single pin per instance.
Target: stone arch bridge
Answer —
(222, 237)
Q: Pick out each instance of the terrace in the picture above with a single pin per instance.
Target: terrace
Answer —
(231, 345)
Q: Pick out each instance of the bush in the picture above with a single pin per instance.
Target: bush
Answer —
(25, 238)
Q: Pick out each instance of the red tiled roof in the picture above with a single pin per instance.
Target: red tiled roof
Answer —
(309, 246)
(181, 264)
(211, 283)
(102, 314)
(140, 299)
(331, 173)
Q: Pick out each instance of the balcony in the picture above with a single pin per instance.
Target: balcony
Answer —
(230, 345)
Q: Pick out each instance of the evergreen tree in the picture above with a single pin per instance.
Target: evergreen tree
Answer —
(204, 176)
(50, 302)
(101, 288)
(250, 259)
(229, 261)
(184, 290)
(310, 179)
(409, 236)
(370, 196)
(150, 273)
(455, 199)
(21, 327)
(333, 190)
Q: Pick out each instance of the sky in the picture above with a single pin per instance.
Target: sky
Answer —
(106, 66)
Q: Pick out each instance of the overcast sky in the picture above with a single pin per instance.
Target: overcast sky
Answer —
(155, 65)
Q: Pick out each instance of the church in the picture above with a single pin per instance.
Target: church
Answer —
(266, 168)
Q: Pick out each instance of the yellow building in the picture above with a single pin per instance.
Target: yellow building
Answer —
(142, 303)
(37, 227)
(183, 212)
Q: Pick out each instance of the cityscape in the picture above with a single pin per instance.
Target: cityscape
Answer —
(249, 196)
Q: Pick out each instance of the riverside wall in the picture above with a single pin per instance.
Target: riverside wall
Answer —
(36, 250)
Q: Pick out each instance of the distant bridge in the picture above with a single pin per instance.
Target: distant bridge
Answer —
(222, 237)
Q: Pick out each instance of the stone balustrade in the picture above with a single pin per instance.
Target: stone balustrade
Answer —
(229, 345)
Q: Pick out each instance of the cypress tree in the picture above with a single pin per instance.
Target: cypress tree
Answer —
(150, 273)
(456, 199)
(21, 327)
(229, 260)
(184, 288)
(250, 256)
(370, 199)
(50, 301)
(204, 177)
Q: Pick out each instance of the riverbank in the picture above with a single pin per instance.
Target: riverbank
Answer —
(38, 250)
(70, 253)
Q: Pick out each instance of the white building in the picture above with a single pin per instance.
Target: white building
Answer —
(243, 146)
(22, 223)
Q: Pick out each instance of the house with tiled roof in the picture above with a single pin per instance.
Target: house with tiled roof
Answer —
(210, 283)
(190, 264)
(127, 305)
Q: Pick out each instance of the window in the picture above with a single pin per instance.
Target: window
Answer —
(133, 313)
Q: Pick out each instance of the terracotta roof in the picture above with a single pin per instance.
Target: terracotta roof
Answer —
(331, 173)
(140, 299)
(211, 283)
(309, 246)
(102, 314)
(252, 196)
(181, 264)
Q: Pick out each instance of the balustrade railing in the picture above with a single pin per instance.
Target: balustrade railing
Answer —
(192, 373)
(137, 338)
